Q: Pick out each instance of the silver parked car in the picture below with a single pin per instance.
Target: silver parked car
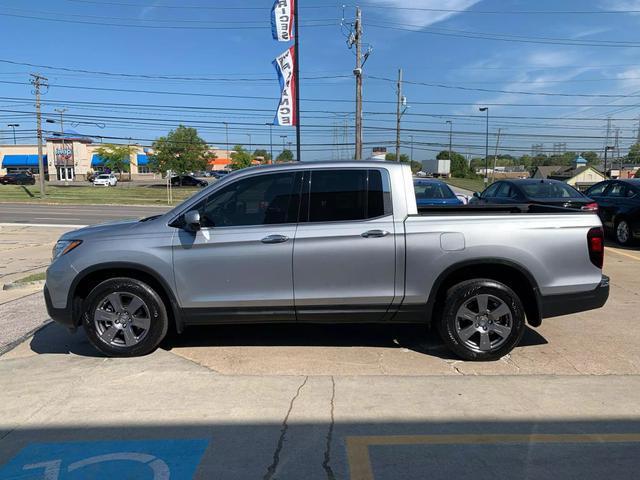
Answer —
(327, 242)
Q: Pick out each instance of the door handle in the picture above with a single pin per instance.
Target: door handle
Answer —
(275, 239)
(375, 234)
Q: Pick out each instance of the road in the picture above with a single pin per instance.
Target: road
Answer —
(72, 214)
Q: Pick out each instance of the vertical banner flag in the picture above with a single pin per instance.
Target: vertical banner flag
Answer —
(282, 20)
(286, 114)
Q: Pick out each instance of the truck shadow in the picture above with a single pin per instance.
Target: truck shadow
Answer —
(55, 339)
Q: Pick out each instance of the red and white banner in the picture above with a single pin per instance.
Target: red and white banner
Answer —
(286, 114)
(282, 20)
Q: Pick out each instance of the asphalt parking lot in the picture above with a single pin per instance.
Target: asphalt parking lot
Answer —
(321, 401)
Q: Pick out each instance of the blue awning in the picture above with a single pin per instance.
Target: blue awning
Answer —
(142, 159)
(21, 160)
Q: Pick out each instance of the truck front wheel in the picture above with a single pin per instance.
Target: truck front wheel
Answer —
(124, 317)
(482, 320)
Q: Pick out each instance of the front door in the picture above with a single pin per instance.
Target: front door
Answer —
(344, 253)
(239, 264)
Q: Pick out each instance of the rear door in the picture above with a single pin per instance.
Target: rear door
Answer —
(344, 255)
(614, 195)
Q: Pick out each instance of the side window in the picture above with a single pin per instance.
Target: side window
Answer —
(505, 191)
(258, 200)
(617, 190)
(597, 190)
(340, 195)
(491, 191)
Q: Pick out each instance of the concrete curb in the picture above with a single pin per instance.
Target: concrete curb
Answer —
(14, 285)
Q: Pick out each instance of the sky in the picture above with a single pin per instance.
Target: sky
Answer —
(551, 72)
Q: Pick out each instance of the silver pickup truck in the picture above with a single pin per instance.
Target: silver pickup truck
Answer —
(327, 242)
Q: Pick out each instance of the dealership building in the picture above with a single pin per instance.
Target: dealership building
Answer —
(68, 158)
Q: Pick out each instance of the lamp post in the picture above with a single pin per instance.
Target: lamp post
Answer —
(450, 138)
(226, 130)
(249, 135)
(270, 140)
(606, 149)
(283, 137)
(486, 156)
(13, 126)
(411, 155)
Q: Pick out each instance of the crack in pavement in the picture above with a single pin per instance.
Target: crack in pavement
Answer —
(327, 452)
(283, 432)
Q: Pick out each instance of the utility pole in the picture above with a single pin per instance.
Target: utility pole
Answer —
(61, 112)
(38, 82)
(608, 135)
(617, 145)
(358, 74)
(283, 137)
(486, 152)
(411, 156)
(226, 131)
(398, 114)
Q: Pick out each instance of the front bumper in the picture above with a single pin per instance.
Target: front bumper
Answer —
(566, 304)
(60, 315)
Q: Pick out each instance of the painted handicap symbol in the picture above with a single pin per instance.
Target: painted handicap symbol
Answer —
(148, 459)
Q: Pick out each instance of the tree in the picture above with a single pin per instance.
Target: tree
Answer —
(116, 157)
(637, 175)
(181, 151)
(634, 153)
(285, 156)
(261, 152)
(240, 158)
(591, 157)
(459, 167)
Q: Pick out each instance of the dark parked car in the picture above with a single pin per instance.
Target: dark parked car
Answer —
(434, 192)
(219, 173)
(619, 208)
(541, 192)
(18, 179)
(188, 181)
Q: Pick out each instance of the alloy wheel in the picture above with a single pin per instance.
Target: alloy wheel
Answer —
(623, 232)
(122, 319)
(484, 322)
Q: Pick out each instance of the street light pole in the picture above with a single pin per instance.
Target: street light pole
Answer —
(486, 156)
(283, 137)
(13, 126)
(270, 140)
(606, 149)
(450, 138)
(411, 156)
(226, 130)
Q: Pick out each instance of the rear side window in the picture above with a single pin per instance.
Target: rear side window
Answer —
(342, 195)
(617, 190)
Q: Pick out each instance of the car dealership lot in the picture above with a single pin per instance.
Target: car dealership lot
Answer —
(327, 401)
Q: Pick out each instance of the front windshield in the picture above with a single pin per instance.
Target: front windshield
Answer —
(550, 190)
(433, 190)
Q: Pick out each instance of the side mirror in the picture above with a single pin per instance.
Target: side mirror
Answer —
(192, 220)
(476, 195)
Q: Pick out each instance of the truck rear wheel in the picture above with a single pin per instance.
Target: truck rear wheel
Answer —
(482, 320)
(124, 317)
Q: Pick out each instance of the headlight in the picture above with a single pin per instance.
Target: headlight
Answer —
(64, 246)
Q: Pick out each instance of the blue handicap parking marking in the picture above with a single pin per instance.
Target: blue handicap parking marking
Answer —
(127, 459)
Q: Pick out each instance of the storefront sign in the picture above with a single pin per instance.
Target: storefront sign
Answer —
(64, 155)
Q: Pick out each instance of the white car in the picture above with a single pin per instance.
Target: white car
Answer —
(105, 180)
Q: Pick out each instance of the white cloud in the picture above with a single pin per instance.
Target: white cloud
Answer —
(422, 18)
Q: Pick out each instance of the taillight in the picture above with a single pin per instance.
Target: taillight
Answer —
(590, 207)
(595, 241)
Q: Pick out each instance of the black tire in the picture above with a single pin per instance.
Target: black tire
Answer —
(621, 238)
(153, 311)
(452, 325)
